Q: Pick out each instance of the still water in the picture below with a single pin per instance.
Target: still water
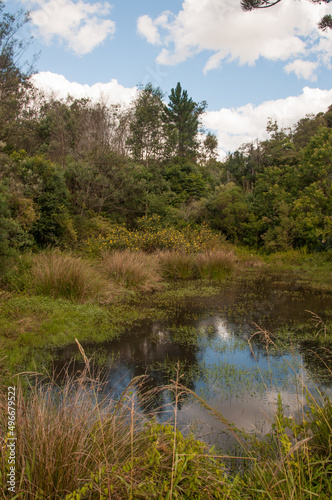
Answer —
(231, 346)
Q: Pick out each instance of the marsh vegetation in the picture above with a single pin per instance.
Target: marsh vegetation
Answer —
(153, 298)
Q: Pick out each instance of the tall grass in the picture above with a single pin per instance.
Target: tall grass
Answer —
(214, 265)
(210, 265)
(135, 270)
(175, 265)
(57, 275)
(73, 443)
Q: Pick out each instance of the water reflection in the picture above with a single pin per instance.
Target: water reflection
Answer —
(212, 340)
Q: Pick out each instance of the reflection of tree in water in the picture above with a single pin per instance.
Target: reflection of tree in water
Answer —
(197, 328)
(119, 361)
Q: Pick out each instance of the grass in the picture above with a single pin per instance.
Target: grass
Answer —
(133, 270)
(56, 275)
(313, 268)
(208, 265)
(76, 442)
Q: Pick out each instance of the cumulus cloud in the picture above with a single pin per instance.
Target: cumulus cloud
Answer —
(108, 93)
(303, 69)
(284, 32)
(237, 126)
(148, 28)
(80, 25)
(233, 126)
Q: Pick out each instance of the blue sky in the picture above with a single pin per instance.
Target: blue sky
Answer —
(247, 66)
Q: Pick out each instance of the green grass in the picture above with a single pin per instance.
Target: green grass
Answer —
(30, 326)
(208, 265)
(314, 269)
(74, 443)
(63, 276)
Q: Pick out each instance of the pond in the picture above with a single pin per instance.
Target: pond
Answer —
(237, 345)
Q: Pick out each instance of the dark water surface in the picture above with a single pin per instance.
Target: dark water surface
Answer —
(222, 355)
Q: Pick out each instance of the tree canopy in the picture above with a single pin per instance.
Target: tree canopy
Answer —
(182, 115)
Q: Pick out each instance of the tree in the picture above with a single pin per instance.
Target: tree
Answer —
(146, 139)
(182, 117)
(210, 148)
(324, 24)
(13, 76)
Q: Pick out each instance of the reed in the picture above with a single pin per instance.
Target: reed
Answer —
(215, 265)
(177, 265)
(206, 265)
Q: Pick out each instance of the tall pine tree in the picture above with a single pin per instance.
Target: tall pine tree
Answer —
(182, 118)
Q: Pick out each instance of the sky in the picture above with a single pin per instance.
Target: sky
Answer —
(249, 66)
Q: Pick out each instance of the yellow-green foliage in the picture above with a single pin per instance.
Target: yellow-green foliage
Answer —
(58, 275)
(136, 270)
(150, 239)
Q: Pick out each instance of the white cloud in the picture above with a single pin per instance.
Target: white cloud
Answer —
(303, 69)
(80, 25)
(147, 28)
(108, 93)
(233, 126)
(283, 32)
(248, 123)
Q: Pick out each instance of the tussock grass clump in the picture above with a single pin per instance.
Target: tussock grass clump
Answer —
(210, 265)
(176, 265)
(214, 265)
(135, 270)
(74, 443)
(57, 275)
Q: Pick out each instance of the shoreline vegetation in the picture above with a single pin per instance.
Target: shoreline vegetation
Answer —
(103, 206)
(73, 443)
(111, 449)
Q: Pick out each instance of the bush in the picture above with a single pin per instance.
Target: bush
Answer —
(155, 237)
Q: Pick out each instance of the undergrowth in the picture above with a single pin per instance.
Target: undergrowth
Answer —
(76, 441)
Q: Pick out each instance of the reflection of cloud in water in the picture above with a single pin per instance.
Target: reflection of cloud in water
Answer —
(219, 326)
(159, 333)
(251, 413)
(224, 329)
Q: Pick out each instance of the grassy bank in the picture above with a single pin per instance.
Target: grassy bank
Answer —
(49, 299)
(73, 443)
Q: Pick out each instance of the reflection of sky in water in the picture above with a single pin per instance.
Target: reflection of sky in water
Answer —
(240, 381)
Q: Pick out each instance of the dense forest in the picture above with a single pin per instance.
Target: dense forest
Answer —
(72, 169)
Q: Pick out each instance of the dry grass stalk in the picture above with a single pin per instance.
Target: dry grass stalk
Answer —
(135, 270)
